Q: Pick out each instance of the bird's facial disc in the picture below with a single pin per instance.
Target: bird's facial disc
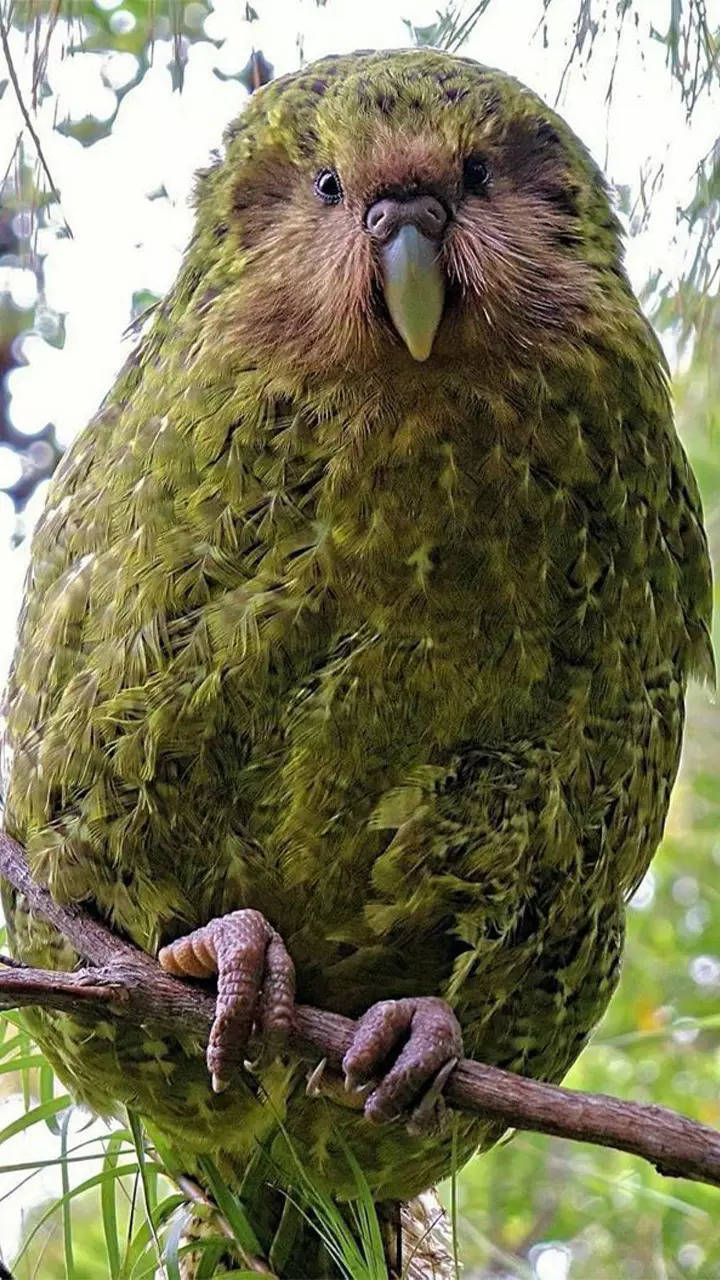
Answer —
(408, 234)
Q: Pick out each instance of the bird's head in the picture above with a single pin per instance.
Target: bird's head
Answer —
(378, 210)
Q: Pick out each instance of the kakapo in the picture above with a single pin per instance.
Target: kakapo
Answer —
(357, 630)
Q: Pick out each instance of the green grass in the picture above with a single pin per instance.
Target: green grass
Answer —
(127, 1218)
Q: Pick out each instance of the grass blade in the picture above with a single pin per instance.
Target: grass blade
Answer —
(172, 1246)
(141, 1257)
(34, 1116)
(108, 1205)
(231, 1207)
(67, 1205)
(22, 1063)
(147, 1180)
(120, 1171)
(453, 1200)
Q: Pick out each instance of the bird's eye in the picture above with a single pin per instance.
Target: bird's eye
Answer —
(476, 174)
(328, 187)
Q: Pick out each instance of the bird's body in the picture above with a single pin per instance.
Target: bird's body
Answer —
(392, 652)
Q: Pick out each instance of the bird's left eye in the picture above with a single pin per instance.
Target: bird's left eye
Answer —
(328, 187)
(476, 174)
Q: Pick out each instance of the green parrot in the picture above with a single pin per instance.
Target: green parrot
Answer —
(357, 629)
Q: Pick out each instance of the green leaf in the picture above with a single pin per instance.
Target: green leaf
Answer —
(67, 1206)
(212, 1253)
(121, 1171)
(172, 1246)
(231, 1207)
(47, 1093)
(147, 1179)
(22, 1063)
(34, 1116)
(108, 1205)
(141, 1258)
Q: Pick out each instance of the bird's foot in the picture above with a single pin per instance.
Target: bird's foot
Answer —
(407, 1049)
(255, 986)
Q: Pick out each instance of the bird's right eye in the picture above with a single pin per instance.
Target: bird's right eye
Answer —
(328, 187)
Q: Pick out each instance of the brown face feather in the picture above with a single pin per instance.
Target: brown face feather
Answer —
(504, 255)
(316, 277)
(517, 270)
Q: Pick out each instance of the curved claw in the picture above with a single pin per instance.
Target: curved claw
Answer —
(428, 1040)
(255, 985)
(312, 1086)
(430, 1114)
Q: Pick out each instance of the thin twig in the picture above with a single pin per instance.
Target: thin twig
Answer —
(4, 41)
(126, 982)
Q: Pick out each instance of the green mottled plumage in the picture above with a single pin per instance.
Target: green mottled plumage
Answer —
(395, 653)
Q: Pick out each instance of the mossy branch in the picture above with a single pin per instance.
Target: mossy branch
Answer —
(124, 982)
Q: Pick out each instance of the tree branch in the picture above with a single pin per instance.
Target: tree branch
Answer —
(127, 983)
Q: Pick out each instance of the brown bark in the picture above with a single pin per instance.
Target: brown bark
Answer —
(127, 983)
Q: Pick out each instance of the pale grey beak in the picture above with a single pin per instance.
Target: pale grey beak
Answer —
(414, 288)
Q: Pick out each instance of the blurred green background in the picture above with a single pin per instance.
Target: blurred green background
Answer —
(534, 1207)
